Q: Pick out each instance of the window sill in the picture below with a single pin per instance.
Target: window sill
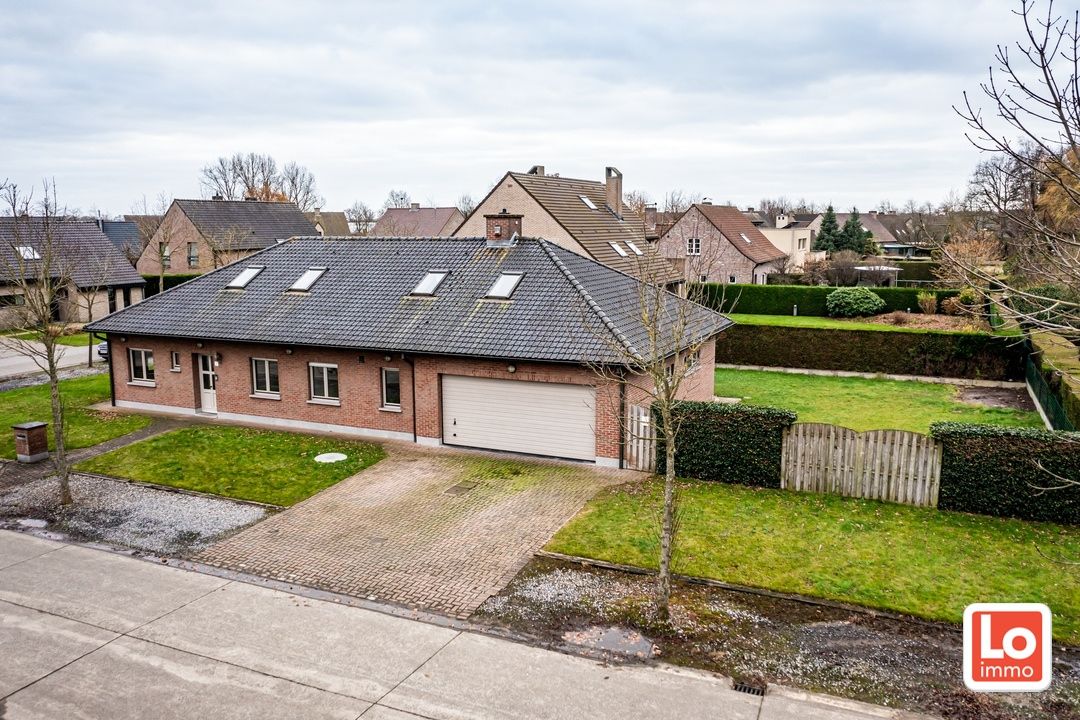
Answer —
(176, 370)
(390, 408)
(266, 396)
(324, 401)
(142, 383)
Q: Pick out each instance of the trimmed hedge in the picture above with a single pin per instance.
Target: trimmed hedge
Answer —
(727, 443)
(781, 299)
(171, 281)
(921, 270)
(942, 354)
(990, 470)
(1059, 363)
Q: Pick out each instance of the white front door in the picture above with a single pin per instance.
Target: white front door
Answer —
(207, 384)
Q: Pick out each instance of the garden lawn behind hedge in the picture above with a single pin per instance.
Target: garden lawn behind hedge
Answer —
(265, 466)
(912, 560)
(864, 403)
(85, 427)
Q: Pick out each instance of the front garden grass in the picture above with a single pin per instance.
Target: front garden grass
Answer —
(864, 403)
(85, 427)
(919, 561)
(828, 323)
(265, 466)
(77, 339)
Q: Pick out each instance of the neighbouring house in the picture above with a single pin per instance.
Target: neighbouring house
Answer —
(584, 216)
(196, 236)
(124, 234)
(792, 234)
(101, 279)
(416, 221)
(486, 342)
(717, 243)
(329, 223)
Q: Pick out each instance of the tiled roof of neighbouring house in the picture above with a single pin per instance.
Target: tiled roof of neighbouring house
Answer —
(81, 250)
(743, 235)
(418, 221)
(124, 235)
(332, 223)
(246, 224)
(566, 307)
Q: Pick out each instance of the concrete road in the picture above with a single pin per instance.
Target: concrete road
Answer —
(90, 634)
(12, 364)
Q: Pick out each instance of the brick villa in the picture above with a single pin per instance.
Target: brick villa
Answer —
(484, 342)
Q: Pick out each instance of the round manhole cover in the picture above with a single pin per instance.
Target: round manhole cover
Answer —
(331, 457)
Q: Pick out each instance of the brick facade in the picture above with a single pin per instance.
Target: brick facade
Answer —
(718, 261)
(360, 387)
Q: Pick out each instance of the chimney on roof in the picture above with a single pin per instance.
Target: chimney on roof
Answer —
(251, 198)
(503, 229)
(536, 170)
(749, 209)
(783, 220)
(650, 215)
(706, 201)
(414, 206)
(613, 185)
(217, 197)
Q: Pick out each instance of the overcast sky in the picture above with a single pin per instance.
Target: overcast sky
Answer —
(841, 101)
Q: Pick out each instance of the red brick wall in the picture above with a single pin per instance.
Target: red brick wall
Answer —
(718, 261)
(360, 385)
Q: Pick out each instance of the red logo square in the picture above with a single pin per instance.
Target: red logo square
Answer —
(1007, 647)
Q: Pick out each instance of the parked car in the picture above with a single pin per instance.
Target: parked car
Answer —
(103, 350)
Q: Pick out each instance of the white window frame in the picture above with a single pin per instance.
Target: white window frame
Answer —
(745, 239)
(244, 277)
(430, 283)
(264, 375)
(634, 248)
(307, 279)
(588, 203)
(732, 280)
(147, 378)
(618, 248)
(174, 361)
(508, 285)
(27, 252)
(392, 407)
(325, 399)
(693, 246)
(193, 255)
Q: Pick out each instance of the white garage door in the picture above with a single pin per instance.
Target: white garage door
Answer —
(519, 416)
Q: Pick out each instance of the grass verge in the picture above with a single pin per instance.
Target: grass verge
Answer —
(85, 427)
(261, 465)
(864, 403)
(919, 561)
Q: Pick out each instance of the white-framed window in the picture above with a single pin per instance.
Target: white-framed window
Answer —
(430, 282)
(165, 253)
(27, 253)
(246, 275)
(264, 377)
(391, 388)
(704, 278)
(693, 246)
(588, 203)
(324, 382)
(141, 365)
(634, 248)
(731, 278)
(192, 255)
(305, 281)
(802, 243)
(505, 285)
(618, 248)
(174, 361)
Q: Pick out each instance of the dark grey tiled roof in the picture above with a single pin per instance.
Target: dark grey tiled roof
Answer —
(124, 234)
(567, 308)
(83, 250)
(246, 224)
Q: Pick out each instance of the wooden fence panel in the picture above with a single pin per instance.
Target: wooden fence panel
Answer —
(640, 439)
(893, 465)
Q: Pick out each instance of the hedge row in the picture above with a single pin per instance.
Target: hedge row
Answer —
(993, 470)
(1058, 361)
(810, 299)
(729, 443)
(922, 270)
(171, 281)
(940, 354)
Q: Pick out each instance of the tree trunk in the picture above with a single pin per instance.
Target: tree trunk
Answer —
(667, 529)
(60, 461)
(90, 336)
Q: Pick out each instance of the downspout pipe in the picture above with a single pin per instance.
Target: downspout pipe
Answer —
(622, 419)
(412, 391)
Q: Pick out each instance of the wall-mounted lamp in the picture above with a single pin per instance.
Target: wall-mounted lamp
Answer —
(511, 368)
(288, 351)
(387, 358)
(198, 344)
(123, 338)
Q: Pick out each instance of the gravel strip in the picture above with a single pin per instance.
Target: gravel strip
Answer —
(135, 516)
(41, 378)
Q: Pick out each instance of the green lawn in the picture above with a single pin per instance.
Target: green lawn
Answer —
(863, 403)
(79, 339)
(261, 465)
(85, 427)
(806, 321)
(913, 560)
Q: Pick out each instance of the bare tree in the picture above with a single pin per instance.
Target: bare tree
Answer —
(655, 368)
(1032, 131)
(637, 201)
(466, 204)
(257, 176)
(397, 199)
(297, 183)
(100, 268)
(34, 264)
(361, 217)
(155, 234)
(228, 246)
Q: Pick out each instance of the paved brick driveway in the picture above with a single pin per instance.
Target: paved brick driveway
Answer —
(431, 528)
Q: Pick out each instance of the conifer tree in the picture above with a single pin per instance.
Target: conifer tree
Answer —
(853, 236)
(829, 232)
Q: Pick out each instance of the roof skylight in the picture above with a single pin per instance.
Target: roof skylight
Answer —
(305, 281)
(745, 239)
(246, 275)
(430, 283)
(618, 248)
(588, 203)
(28, 253)
(505, 285)
(634, 248)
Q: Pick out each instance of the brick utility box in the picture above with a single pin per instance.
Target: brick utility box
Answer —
(31, 441)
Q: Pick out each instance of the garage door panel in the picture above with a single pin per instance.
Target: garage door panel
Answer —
(519, 416)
